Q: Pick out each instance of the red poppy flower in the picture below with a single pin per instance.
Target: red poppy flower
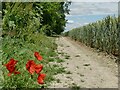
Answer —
(38, 68)
(38, 56)
(41, 78)
(32, 67)
(9, 74)
(11, 67)
(11, 62)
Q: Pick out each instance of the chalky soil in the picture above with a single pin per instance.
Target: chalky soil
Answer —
(87, 67)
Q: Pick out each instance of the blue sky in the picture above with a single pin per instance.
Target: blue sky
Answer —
(82, 13)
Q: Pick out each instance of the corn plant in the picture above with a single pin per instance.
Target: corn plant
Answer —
(102, 35)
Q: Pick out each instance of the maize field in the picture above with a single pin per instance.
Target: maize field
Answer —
(102, 35)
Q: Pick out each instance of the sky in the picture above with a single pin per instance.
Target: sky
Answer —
(94, 0)
(59, 0)
(82, 13)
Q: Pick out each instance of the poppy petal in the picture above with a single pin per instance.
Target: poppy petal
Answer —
(30, 66)
(43, 75)
(10, 68)
(32, 70)
(11, 65)
(41, 78)
(38, 56)
(40, 81)
(9, 74)
(38, 68)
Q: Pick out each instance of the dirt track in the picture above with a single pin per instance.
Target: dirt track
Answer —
(89, 69)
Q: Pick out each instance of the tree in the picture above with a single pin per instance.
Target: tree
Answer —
(29, 17)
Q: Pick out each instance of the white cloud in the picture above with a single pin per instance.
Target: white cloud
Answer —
(88, 8)
(85, 23)
(70, 21)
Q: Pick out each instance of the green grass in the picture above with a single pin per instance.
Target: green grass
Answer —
(58, 81)
(68, 72)
(62, 53)
(51, 59)
(67, 57)
(74, 86)
(23, 50)
(60, 60)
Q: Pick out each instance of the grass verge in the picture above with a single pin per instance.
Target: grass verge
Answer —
(23, 50)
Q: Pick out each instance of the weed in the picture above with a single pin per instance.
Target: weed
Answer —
(81, 75)
(67, 46)
(77, 56)
(58, 81)
(68, 72)
(67, 56)
(75, 87)
(60, 60)
(82, 81)
(77, 67)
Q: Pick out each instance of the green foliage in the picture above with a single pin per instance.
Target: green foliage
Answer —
(54, 17)
(19, 19)
(102, 35)
(23, 51)
(22, 17)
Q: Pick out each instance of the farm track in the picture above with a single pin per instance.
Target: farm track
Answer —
(88, 68)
